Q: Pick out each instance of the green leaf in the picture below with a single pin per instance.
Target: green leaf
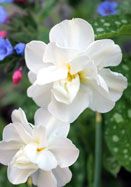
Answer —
(118, 124)
(111, 165)
(112, 26)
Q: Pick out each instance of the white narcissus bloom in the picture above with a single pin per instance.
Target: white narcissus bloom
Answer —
(71, 73)
(42, 152)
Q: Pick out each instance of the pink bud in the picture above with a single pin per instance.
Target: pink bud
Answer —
(3, 34)
(17, 76)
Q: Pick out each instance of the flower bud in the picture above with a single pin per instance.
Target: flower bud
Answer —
(20, 48)
(17, 76)
(3, 34)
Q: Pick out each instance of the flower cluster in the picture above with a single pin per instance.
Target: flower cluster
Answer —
(107, 8)
(71, 73)
(68, 75)
(42, 151)
(6, 49)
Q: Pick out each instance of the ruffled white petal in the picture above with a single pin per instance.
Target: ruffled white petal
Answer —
(46, 161)
(32, 77)
(62, 175)
(18, 176)
(16, 132)
(104, 53)
(79, 63)
(44, 179)
(65, 91)
(50, 74)
(39, 133)
(57, 55)
(54, 127)
(34, 53)
(100, 99)
(69, 113)
(65, 151)
(73, 34)
(18, 116)
(40, 94)
(8, 150)
(116, 83)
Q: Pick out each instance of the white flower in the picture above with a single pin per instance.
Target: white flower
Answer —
(70, 73)
(41, 151)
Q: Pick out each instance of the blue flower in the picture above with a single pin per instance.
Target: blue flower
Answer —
(20, 48)
(107, 8)
(6, 1)
(3, 15)
(6, 48)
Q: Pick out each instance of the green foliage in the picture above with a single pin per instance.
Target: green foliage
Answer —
(118, 124)
(29, 25)
(111, 165)
(112, 26)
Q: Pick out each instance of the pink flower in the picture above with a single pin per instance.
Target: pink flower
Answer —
(3, 34)
(17, 76)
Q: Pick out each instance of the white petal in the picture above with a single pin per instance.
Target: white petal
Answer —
(62, 175)
(8, 150)
(46, 161)
(46, 179)
(50, 74)
(25, 158)
(105, 53)
(32, 77)
(57, 55)
(79, 63)
(18, 176)
(74, 34)
(35, 177)
(40, 94)
(39, 133)
(20, 117)
(54, 127)
(69, 113)
(101, 82)
(116, 83)
(34, 53)
(100, 100)
(16, 132)
(65, 91)
(65, 151)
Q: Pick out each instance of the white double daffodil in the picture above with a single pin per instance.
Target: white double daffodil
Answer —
(42, 152)
(70, 73)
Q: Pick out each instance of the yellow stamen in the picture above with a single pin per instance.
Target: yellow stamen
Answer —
(82, 76)
(40, 149)
(70, 76)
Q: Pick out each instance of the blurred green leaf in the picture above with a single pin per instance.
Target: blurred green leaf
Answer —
(118, 123)
(111, 165)
(112, 26)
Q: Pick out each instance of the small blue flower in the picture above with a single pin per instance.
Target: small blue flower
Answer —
(6, 48)
(107, 8)
(20, 48)
(6, 1)
(3, 15)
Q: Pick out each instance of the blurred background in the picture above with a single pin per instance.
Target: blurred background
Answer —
(24, 20)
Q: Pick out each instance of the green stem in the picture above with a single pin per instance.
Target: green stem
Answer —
(29, 182)
(98, 151)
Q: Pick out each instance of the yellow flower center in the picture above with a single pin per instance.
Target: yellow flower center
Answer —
(40, 149)
(70, 76)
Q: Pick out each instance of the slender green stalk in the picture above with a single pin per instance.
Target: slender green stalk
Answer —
(98, 151)
(29, 182)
